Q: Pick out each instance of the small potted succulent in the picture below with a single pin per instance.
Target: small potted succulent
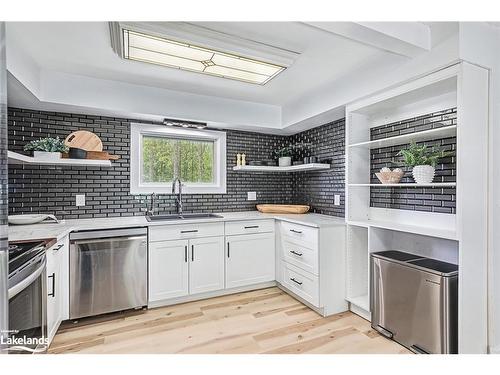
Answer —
(285, 154)
(47, 148)
(422, 160)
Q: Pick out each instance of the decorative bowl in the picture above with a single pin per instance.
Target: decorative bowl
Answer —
(392, 177)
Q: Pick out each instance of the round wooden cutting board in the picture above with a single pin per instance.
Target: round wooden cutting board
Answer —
(85, 140)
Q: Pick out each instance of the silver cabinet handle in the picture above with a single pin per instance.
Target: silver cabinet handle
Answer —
(252, 227)
(192, 253)
(185, 253)
(58, 247)
(189, 231)
(53, 276)
(295, 231)
(295, 281)
(295, 253)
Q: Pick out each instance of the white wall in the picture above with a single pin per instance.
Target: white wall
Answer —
(378, 75)
(479, 44)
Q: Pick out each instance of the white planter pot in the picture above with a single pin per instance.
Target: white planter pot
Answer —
(44, 155)
(423, 174)
(285, 161)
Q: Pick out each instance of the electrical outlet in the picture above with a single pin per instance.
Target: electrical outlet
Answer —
(336, 200)
(252, 196)
(80, 200)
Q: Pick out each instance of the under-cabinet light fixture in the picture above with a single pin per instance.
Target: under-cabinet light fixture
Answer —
(184, 124)
(185, 56)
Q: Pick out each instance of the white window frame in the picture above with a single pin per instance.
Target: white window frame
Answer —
(137, 131)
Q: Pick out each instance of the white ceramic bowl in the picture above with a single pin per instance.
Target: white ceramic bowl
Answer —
(30, 219)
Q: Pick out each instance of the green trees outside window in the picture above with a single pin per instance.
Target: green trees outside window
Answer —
(165, 158)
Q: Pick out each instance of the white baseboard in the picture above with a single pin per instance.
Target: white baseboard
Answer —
(217, 293)
(361, 312)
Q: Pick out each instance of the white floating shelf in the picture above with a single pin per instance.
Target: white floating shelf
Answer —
(426, 135)
(408, 185)
(360, 301)
(16, 158)
(292, 168)
(426, 231)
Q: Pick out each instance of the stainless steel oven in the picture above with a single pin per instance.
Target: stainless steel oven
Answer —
(27, 300)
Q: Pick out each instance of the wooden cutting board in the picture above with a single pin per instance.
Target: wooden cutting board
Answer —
(85, 140)
(283, 208)
(101, 155)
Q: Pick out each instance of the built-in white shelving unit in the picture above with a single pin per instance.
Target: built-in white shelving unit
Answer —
(396, 226)
(16, 158)
(426, 135)
(460, 238)
(292, 168)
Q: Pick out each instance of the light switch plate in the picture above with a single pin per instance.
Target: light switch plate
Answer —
(336, 200)
(251, 196)
(80, 200)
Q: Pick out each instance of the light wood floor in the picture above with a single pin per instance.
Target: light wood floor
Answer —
(262, 321)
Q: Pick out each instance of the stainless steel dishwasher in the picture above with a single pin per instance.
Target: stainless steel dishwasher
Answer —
(414, 301)
(108, 271)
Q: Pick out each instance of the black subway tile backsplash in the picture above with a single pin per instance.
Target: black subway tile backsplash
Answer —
(52, 189)
(440, 200)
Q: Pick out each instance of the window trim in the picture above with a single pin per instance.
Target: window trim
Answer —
(138, 130)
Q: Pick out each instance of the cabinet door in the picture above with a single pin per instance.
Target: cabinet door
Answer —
(250, 259)
(54, 300)
(206, 268)
(168, 269)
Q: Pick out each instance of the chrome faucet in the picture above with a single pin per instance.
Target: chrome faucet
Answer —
(178, 199)
(150, 211)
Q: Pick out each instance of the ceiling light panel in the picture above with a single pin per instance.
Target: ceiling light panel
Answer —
(161, 51)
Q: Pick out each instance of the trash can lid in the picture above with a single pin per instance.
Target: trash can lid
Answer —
(397, 255)
(447, 269)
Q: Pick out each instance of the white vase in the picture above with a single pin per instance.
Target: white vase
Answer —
(44, 155)
(423, 174)
(285, 161)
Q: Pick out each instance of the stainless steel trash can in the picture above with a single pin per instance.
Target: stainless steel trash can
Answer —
(414, 301)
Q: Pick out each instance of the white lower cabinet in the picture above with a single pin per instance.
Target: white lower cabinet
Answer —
(183, 267)
(57, 286)
(206, 264)
(168, 269)
(250, 259)
(302, 283)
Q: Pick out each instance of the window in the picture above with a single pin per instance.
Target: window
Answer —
(160, 154)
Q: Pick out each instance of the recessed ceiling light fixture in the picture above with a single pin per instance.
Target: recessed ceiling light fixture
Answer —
(175, 52)
(184, 123)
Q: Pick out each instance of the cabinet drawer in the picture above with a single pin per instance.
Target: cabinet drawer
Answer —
(249, 226)
(183, 231)
(300, 234)
(302, 283)
(300, 256)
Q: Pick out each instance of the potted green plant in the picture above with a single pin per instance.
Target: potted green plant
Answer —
(422, 160)
(285, 154)
(47, 148)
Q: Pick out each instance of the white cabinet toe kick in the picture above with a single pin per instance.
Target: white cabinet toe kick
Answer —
(189, 262)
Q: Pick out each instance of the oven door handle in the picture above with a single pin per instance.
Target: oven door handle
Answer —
(23, 284)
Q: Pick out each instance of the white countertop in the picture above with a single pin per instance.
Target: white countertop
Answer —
(54, 230)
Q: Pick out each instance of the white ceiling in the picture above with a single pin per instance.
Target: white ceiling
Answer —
(85, 49)
(72, 66)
